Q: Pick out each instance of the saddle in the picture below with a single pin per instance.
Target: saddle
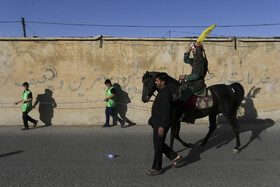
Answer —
(196, 103)
(199, 102)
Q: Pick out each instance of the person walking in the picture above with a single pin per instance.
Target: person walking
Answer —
(111, 104)
(161, 121)
(26, 106)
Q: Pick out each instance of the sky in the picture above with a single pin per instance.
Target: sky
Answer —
(139, 12)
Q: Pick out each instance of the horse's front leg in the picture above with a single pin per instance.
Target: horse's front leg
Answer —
(173, 129)
(177, 136)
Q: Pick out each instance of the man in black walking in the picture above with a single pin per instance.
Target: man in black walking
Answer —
(160, 121)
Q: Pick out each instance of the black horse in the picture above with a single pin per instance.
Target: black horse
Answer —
(226, 100)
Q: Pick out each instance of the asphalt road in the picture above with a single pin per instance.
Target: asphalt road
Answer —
(74, 156)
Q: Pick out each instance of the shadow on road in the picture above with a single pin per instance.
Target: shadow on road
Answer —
(10, 153)
(220, 138)
(249, 122)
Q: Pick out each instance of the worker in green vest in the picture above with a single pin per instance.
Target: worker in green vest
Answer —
(111, 104)
(26, 106)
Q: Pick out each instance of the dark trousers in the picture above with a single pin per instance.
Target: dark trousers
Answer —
(110, 112)
(161, 147)
(26, 118)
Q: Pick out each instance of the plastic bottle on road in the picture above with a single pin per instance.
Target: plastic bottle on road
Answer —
(109, 155)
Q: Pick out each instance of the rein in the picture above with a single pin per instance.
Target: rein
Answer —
(150, 79)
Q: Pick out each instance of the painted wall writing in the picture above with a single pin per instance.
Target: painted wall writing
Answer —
(71, 74)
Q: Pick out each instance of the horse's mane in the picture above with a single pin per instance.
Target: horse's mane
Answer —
(173, 84)
(153, 74)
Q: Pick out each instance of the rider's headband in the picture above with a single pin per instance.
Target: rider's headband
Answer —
(193, 46)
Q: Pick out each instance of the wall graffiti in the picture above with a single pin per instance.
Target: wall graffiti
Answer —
(76, 83)
(84, 81)
(247, 79)
(48, 74)
(99, 78)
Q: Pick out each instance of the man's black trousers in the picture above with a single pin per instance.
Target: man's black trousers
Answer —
(26, 118)
(161, 147)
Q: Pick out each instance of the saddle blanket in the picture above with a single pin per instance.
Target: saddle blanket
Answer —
(204, 102)
(200, 103)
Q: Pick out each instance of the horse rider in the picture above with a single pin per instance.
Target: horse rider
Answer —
(195, 81)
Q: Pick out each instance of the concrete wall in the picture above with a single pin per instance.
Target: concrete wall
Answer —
(74, 69)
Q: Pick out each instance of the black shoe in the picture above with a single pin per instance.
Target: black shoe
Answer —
(192, 120)
(122, 124)
(105, 125)
(25, 128)
(191, 115)
(35, 124)
(188, 118)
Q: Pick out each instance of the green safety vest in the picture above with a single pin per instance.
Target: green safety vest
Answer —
(26, 107)
(110, 102)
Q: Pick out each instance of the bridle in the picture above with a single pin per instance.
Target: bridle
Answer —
(150, 79)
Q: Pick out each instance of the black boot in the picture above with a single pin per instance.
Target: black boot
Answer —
(191, 116)
(188, 116)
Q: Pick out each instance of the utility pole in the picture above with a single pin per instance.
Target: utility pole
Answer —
(169, 32)
(23, 26)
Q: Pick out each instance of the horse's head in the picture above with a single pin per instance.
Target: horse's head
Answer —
(149, 86)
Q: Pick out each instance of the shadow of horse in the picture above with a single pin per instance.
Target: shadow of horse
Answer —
(122, 99)
(220, 138)
(249, 122)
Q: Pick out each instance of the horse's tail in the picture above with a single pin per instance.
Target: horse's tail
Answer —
(238, 91)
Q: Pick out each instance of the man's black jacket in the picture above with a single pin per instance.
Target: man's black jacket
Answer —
(162, 109)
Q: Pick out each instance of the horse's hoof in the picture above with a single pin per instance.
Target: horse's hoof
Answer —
(236, 150)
